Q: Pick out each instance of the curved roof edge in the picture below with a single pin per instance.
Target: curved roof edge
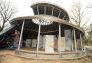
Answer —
(55, 19)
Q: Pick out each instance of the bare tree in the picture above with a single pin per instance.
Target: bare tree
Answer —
(89, 36)
(6, 12)
(78, 15)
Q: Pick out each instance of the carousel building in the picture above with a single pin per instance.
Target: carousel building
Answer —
(48, 34)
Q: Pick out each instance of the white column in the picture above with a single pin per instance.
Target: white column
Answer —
(75, 41)
(59, 38)
(21, 35)
(38, 40)
(81, 42)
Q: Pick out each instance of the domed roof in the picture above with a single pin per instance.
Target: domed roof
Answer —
(50, 9)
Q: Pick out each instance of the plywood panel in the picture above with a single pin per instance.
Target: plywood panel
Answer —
(49, 43)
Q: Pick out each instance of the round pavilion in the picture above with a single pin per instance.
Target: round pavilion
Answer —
(48, 32)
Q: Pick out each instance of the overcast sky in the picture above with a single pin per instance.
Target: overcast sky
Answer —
(24, 6)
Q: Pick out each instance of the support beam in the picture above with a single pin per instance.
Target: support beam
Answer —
(52, 10)
(75, 41)
(59, 14)
(59, 38)
(44, 9)
(59, 30)
(72, 42)
(21, 35)
(38, 40)
(38, 10)
(81, 42)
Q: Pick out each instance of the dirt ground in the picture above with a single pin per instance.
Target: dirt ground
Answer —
(7, 58)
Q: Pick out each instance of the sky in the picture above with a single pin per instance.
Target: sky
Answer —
(23, 7)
